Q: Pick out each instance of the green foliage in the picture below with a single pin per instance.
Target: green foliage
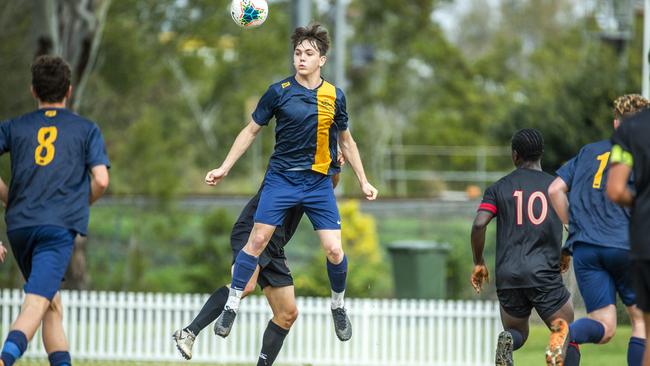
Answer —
(207, 263)
(366, 269)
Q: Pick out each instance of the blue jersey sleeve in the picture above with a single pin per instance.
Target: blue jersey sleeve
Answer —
(95, 149)
(5, 137)
(266, 107)
(567, 171)
(341, 116)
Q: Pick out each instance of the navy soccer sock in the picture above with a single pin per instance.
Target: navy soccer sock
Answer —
(245, 265)
(572, 355)
(210, 310)
(586, 330)
(635, 349)
(517, 339)
(14, 347)
(60, 358)
(337, 274)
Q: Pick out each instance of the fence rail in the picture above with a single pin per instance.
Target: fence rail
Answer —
(138, 327)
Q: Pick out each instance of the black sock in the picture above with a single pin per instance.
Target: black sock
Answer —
(210, 310)
(271, 343)
(572, 355)
(517, 339)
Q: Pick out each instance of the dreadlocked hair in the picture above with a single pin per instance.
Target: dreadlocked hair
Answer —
(629, 104)
(528, 143)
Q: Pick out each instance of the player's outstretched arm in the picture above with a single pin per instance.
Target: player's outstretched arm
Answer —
(617, 189)
(239, 147)
(351, 154)
(557, 191)
(98, 182)
(480, 273)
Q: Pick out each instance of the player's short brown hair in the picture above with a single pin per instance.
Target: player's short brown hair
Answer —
(50, 78)
(629, 104)
(315, 34)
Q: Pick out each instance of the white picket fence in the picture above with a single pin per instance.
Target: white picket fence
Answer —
(138, 327)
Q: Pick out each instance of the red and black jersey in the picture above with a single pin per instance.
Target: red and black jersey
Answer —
(529, 232)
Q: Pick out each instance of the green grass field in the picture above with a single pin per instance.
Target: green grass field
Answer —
(532, 354)
(613, 353)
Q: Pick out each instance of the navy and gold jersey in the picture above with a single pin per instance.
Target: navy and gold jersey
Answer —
(529, 232)
(52, 151)
(307, 125)
(593, 218)
(632, 147)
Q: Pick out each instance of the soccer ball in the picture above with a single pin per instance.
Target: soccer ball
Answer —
(249, 13)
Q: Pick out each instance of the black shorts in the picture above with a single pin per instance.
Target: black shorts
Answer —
(274, 270)
(641, 281)
(519, 302)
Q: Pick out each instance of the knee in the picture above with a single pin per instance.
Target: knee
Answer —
(288, 317)
(56, 308)
(334, 254)
(610, 332)
(258, 242)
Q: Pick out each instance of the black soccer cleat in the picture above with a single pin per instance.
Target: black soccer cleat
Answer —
(342, 325)
(503, 355)
(224, 322)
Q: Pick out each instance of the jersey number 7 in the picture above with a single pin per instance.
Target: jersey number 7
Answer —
(519, 196)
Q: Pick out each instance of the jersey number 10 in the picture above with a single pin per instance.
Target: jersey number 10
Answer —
(535, 220)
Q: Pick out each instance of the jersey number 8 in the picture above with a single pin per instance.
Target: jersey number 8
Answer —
(44, 153)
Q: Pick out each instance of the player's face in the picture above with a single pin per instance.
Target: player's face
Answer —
(307, 59)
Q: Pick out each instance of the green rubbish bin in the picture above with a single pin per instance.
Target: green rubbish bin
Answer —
(419, 269)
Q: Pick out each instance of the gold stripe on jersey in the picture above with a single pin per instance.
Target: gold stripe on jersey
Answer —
(326, 98)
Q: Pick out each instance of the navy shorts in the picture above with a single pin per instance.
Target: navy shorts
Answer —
(601, 272)
(519, 302)
(282, 190)
(43, 254)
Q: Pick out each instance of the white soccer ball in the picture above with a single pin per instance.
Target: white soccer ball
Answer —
(249, 13)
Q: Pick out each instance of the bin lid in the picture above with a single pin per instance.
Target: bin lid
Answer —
(418, 245)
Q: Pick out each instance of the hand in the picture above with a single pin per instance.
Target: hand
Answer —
(480, 276)
(565, 261)
(369, 191)
(3, 252)
(340, 159)
(215, 176)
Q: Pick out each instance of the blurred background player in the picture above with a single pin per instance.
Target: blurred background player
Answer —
(529, 239)
(311, 120)
(59, 167)
(599, 240)
(631, 156)
(273, 276)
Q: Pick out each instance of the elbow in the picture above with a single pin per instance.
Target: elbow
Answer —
(478, 226)
(615, 193)
(102, 182)
(557, 189)
(347, 145)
